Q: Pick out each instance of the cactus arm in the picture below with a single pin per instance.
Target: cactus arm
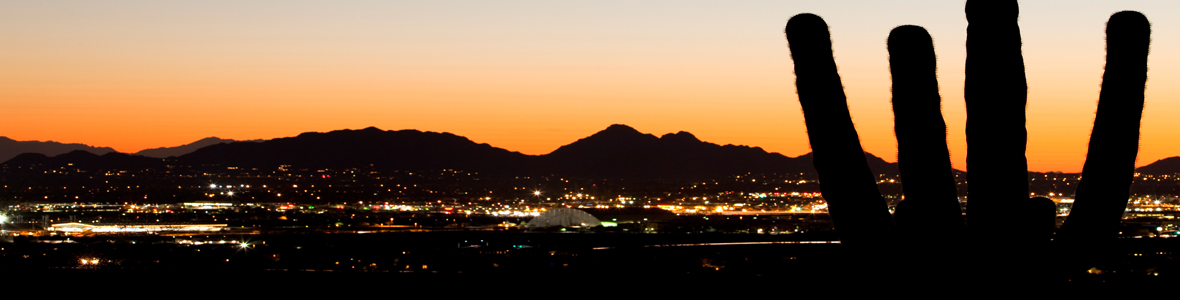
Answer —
(930, 203)
(1103, 192)
(996, 93)
(858, 211)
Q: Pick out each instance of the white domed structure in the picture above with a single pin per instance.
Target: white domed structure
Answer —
(564, 217)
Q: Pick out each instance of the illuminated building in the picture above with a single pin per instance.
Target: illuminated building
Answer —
(564, 217)
(208, 205)
(133, 228)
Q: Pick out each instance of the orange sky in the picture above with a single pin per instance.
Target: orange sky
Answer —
(528, 76)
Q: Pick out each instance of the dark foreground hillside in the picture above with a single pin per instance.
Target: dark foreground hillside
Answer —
(473, 257)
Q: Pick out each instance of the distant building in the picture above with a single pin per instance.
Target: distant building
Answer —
(133, 228)
(564, 217)
(209, 205)
(631, 215)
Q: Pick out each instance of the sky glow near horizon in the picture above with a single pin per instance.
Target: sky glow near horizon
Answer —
(531, 76)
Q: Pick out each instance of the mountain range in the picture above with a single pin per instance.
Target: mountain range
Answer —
(10, 148)
(618, 151)
(163, 152)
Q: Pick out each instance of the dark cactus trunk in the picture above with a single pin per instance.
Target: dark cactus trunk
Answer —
(1110, 161)
(996, 93)
(858, 211)
(930, 206)
(929, 220)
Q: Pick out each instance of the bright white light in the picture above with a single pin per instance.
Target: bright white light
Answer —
(537, 193)
(3, 218)
(230, 193)
(212, 186)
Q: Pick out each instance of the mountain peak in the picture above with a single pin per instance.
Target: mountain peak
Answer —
(163, 152)
(210, 139)
(618, 133)
(620, 129)
(79, 154)
(682, 136)
(1168, 165)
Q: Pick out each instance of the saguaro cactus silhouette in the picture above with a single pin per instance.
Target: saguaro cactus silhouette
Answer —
(1000, 211)
(922, 154)
(996, 93)
(858, 210)
(1110, 162)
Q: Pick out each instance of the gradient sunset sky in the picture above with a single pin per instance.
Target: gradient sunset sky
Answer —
(530, 76)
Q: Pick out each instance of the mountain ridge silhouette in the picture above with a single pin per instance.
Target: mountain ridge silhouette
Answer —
(10, 148)
(402, 149)
(162, 152)
(1165, 166)
(617, 151)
